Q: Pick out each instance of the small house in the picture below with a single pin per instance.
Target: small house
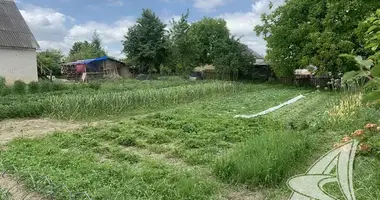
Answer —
(95, 68)
(260, 70)
(18, 56)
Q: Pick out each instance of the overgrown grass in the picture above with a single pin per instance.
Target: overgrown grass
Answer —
(68, 166)
(265, 159)
(106, 161)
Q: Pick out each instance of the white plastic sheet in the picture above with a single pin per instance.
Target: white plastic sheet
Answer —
(272, 109)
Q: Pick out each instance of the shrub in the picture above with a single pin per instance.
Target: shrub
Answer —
(34, 87)
(19, 87)
(373, 99)
(264, 159)
(2, 82)
(5, 91)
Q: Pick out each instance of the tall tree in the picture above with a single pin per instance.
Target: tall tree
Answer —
(50, 59)
(146, 42)
(232, 57)
(304, 32)
(183, 52)
(207, 33)
(86, 50)
(96, 43)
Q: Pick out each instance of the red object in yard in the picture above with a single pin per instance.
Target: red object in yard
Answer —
(81, 68)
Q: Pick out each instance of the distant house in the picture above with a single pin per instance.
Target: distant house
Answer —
(95, 68)
(18, 57)
(260, 70)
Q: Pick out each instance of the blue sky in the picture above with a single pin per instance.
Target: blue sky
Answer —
(59, 23)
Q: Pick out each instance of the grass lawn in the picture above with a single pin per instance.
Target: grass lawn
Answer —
(190, 148)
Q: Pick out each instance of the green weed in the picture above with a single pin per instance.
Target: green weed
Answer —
(265, 159)
(19, 87)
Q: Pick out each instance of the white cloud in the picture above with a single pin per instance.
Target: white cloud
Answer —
(208, 5)
(111, 35)
(52, 30)
(56, 30)
(115, 2)
(242, 24)
(46, 23)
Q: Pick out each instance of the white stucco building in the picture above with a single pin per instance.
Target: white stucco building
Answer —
(18, 57)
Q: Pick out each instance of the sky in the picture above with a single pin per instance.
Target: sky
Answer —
(58, 24)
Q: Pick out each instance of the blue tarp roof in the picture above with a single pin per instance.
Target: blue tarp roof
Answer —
(88, 61)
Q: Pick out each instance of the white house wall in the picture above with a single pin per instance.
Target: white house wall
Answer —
(18, 64)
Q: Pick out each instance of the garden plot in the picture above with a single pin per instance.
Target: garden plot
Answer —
(167, 155)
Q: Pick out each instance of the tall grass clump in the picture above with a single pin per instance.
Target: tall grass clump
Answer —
(345, 108)
(264, 159)
(105, 103)
(46, 86)
(33, 87)
(19, 87)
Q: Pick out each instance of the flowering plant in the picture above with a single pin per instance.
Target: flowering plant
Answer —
(369, 140)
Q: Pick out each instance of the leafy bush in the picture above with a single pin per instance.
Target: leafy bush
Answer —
(373, 99)
(4, 91)
(19, 87)
(34, 87)
(265, 159)
(2, 82)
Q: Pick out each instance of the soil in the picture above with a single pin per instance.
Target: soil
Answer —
(11, 129)
(16, 189)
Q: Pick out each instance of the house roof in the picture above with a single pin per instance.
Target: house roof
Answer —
(92, 60)
(14, 32)
(254, 53)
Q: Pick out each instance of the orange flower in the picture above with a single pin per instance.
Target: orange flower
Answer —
(364, 147)
(371, 126)
(346, 139)
(358, 133)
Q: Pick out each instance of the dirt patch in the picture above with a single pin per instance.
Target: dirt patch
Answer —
(16, 190)
(11, 129)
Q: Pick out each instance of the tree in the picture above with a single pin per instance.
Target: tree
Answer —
(86, 50)
(207, 33)
(232, 57)
(146, 42)
(96, 41)
(50, 59)
(304, 32)
(183, 53)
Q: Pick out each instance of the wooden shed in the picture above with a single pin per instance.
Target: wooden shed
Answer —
(95, 68)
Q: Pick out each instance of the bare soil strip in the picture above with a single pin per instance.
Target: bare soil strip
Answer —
(16, 190)
(12, 129)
